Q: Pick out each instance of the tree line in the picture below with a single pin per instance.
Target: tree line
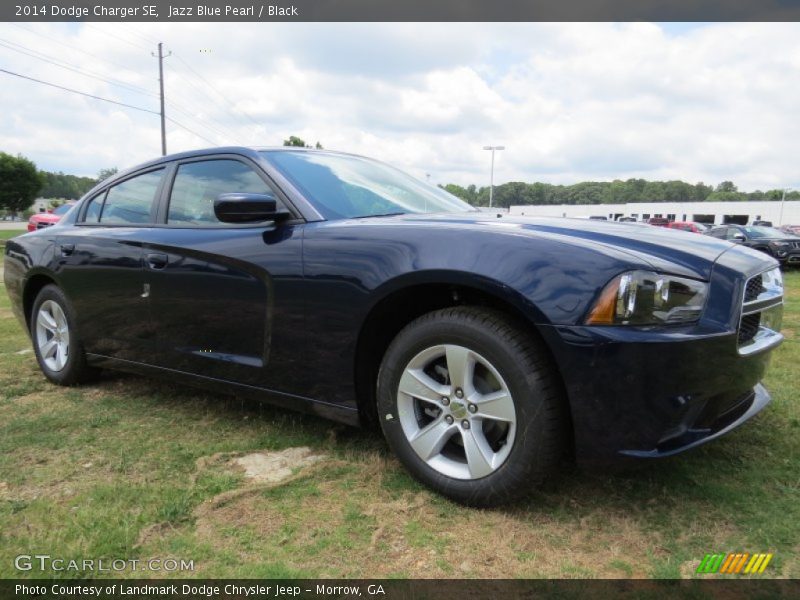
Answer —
(21, 183)
(610, 192)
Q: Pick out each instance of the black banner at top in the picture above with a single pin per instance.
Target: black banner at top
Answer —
(399, 10)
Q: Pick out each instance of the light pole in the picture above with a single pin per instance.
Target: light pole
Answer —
(783, 199)
(491, 176)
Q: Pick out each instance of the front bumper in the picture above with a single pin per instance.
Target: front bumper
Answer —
(635, 393)
(709, 427)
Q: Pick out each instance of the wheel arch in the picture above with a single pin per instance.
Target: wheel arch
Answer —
(402, 300)
(33, 285)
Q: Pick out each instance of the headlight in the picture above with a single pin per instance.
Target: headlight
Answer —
(781, 245)
(647, 298)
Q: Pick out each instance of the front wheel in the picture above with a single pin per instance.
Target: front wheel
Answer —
(55, 339)
(471, 405)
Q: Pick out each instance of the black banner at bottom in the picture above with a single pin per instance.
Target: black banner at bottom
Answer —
(395, 589)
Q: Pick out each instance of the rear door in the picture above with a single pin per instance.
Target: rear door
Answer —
(100, 267)
(225, 299)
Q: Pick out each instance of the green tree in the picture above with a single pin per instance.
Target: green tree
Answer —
(726, 187)
(20, 182)
(60, 185)
(104, 174)
(296, 141)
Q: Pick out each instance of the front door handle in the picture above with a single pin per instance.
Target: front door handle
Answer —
(67, 249)
(156, 261)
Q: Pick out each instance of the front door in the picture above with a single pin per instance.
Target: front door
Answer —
(224, 298)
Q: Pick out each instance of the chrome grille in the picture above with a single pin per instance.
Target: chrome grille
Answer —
(749, 328)
(762, 311)
(754, 287)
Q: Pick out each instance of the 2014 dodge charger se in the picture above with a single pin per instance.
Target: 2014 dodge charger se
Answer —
(488, 347)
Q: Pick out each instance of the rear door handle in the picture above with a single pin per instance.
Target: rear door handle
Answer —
(67, 249)
(156, 261)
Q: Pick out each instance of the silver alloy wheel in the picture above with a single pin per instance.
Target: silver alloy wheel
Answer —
(52, 335)
(456, 412)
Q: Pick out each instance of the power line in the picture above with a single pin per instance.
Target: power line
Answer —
(210, 98)
(217, 131)
(66, 89)
(220, 94)
(70, 67)
(220, 129)
(174, 122)
(117, 37)
(72, 47)
(141, 36)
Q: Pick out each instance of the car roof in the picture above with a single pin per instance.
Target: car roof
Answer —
(247, 151)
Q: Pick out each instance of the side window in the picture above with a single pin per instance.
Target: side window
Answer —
(198, 184)
(130, 202)
(718, 233)
(93, 208)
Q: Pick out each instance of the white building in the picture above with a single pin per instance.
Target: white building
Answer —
(780, 213)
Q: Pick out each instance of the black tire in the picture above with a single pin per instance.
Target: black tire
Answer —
(75, 369)
(529, 376)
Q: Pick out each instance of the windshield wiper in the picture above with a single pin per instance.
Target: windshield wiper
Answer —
(393, 214)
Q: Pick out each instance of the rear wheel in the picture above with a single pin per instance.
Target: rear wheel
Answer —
(471, 405)
(58, 348)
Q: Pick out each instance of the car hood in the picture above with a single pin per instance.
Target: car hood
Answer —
(45, 218)
(663, 249)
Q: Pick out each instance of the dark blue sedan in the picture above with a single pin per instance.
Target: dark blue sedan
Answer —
(487, 347)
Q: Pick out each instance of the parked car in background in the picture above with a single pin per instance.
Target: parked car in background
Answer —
(626, 220)
(762, 223)
(791, 229)
(686, 226)
(782, 246)
(487, 347)
(658, 221)
(46, 219)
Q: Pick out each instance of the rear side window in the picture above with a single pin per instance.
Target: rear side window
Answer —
(93, 208)
(198, 184)
(131, 201)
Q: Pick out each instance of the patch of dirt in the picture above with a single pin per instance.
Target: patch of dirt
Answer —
(271, 467)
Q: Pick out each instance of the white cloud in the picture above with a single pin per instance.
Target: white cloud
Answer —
(569, 101)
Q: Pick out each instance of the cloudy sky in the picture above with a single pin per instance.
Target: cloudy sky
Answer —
(571, 102)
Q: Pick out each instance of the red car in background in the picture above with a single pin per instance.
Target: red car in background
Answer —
(658, 221)
(45, 219)
(686, 226)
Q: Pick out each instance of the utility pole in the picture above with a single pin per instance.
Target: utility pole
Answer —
(491, 177)
(783, 200)
(161, 58)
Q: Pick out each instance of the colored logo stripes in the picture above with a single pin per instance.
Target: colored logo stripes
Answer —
(734, 563)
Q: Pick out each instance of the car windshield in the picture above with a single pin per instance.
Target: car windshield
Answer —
(764, 232)
(62, 210)
(345, 187)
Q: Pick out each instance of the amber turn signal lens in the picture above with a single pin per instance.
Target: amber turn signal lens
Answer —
(605, 307)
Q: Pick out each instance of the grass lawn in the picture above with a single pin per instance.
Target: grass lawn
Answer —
(6, 234)
(129, 468)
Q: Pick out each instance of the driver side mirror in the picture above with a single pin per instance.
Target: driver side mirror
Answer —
(739, 237)
(247, 208)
